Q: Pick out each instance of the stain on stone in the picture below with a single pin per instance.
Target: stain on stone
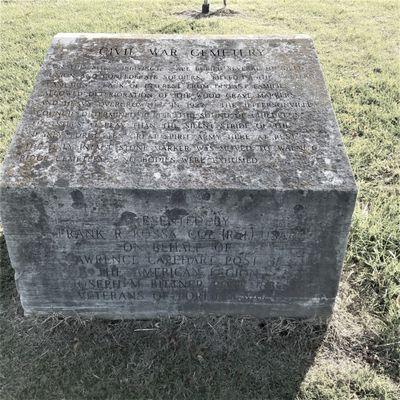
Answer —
(42, 165)
(249, 202)
(206, 196)
(178, 197)
(38, 203)
(250, 154)
(26, 252)
(61, 182)
(224, 197)
(176, 213)
(78, 200)
(298, 208)
(127, 218)
(300, 229)
(275, 234)
(82, 272)
(99, 265)
(34, 250)
(246, 203)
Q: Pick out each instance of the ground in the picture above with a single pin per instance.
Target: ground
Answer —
(357, 356)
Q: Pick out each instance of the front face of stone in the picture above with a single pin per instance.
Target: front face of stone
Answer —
(146, 253)
(162, 175)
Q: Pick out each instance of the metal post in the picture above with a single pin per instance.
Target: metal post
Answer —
(206, 7)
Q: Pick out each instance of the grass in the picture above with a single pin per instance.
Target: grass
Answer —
(357, 356)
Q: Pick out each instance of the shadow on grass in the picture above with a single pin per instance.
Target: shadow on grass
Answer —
(177, 358)
(221, 12)
(8, 292)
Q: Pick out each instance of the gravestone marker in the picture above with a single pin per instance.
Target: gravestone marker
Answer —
(162, 175)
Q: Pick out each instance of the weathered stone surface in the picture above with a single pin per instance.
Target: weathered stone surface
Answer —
(159, 175)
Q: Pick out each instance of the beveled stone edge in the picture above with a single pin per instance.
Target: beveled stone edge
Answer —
(345, 155)
(350, 189)
(89, 35)
(322, 311)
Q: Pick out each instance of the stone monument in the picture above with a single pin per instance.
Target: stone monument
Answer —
(164, 175)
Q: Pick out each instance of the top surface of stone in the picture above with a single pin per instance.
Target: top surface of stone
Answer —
(166, 112)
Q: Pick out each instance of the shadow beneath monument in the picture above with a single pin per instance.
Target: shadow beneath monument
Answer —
(209, 357)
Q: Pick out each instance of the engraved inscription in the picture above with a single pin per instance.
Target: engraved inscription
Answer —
(146, 105)
(179, 256)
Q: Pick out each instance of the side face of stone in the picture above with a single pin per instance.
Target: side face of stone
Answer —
(173, 175)
(147, 253)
